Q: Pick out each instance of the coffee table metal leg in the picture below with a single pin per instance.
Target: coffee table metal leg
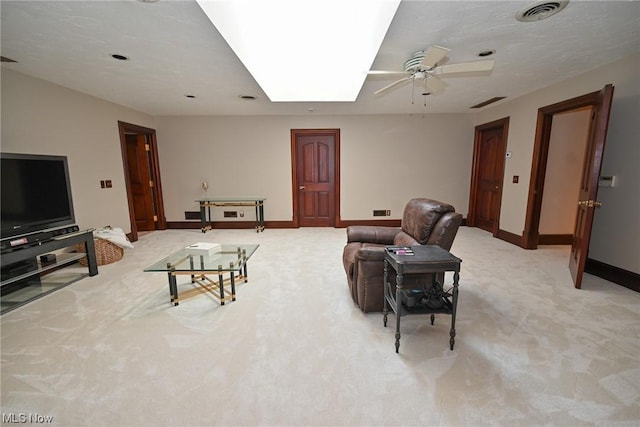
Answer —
(221, 283)
(173, 287)
(232, 273)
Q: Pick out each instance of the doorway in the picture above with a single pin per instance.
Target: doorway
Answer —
(142, 178)
(315, 163)
(487, 175)
(600, 106)
(567, 147)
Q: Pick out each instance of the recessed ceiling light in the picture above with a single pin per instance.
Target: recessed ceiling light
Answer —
(330, 43)
(486, 53)
(119, 57)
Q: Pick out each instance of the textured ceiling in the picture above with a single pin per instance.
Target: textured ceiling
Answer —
(175, 51)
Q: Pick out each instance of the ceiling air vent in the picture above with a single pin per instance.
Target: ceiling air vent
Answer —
(5, 59)
(488, 101)
(541, 10)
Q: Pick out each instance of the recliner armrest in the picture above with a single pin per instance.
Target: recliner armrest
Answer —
(372, 234)
(370, 253)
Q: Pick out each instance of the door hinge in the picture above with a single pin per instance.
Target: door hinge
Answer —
(147, 147)
(150, 183)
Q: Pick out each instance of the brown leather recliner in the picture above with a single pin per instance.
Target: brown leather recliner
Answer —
(424, 222)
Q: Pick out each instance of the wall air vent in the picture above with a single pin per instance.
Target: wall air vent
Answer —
(541, 10)
(488, 101)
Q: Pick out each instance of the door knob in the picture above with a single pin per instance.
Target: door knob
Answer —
(302, 187)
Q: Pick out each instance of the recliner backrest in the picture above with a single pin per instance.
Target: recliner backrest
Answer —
(421, 216)
(445, 230)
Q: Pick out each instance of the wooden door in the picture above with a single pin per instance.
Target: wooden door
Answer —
(315, 177)
(589, 183)
(141, 164)
(140, 181)
(488, 175)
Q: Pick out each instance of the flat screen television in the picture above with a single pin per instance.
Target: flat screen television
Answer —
(36, 194)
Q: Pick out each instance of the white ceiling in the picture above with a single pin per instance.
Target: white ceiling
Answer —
(175, 51)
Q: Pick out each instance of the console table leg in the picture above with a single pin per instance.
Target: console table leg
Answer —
(203, 218)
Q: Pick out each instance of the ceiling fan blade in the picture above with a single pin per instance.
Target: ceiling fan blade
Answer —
(397, 82)
(433, 55)
(434, 84)
(466, 67)
(385, 72)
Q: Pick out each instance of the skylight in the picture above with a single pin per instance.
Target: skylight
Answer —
(304, 50)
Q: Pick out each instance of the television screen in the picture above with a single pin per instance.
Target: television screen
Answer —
(36, 193)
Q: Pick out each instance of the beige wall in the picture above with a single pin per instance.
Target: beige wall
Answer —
(616, 231)
(385, 160)
(42, 118)
(567, 148)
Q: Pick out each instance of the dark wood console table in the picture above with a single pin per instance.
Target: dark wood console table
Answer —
(419, 260)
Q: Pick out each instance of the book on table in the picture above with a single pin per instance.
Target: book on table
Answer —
(400, 250)
(203, 248)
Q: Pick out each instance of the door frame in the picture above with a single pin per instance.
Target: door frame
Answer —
(154, 173)
(531, 234)
(475, 169)
(294, 171)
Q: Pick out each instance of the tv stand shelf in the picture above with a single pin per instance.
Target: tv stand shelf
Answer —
(31, 254)
(61, 260)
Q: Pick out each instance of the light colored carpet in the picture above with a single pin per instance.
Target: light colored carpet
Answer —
(293, 350)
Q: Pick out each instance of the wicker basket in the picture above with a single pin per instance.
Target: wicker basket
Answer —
(106, 252)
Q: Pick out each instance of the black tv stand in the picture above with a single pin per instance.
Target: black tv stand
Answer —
(13, 262)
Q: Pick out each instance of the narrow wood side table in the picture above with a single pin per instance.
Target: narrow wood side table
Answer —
(420, 260)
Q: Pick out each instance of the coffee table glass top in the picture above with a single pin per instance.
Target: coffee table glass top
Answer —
(231, 257)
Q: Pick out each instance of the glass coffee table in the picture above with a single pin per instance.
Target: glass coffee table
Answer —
(231, 260)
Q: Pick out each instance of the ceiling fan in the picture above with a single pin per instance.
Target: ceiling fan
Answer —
(427, 65)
